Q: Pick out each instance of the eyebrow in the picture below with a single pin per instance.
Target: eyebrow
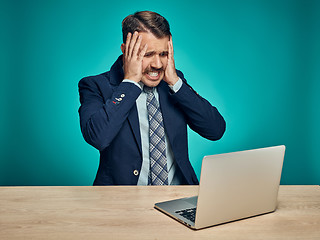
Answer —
(151, 52)
(154, 52)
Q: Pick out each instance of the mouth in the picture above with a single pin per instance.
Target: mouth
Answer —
(153, 75)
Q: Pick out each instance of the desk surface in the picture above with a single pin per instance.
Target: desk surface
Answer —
(128, 213)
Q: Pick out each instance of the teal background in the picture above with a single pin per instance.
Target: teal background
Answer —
(258, 62)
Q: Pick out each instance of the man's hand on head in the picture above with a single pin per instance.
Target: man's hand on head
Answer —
(132, 61)
(170, 74)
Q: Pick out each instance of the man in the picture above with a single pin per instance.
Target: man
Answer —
(137, 113)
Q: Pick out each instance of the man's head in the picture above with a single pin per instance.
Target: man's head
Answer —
(155, 32)
(145, 21)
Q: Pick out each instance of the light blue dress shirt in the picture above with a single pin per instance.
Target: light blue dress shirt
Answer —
(141, 102)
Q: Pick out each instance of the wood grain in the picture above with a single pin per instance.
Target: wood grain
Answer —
(127, 212)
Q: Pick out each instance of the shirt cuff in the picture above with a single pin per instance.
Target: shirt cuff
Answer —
(176, 87)
(135, 83)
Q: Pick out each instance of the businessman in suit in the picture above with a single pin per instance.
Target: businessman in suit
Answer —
(137, 113)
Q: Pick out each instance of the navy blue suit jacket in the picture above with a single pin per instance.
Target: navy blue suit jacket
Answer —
(109, 122)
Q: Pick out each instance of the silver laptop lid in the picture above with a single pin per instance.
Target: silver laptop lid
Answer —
(238, 185)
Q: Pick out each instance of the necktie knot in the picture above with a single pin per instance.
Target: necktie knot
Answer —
(147, 89)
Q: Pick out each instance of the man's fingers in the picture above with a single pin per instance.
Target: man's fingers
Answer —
(143, 51)
(132, 43)
(127, 43)
(137, 46)
(133, 57)
(169, 50)
(170, 47)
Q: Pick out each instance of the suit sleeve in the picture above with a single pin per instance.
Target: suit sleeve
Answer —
(201, 116)
(104, 109)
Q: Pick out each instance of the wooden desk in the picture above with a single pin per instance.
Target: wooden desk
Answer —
(128, 213)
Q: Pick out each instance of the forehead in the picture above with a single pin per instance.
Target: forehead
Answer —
(154, 43)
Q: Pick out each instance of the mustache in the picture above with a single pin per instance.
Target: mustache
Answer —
(153, 70)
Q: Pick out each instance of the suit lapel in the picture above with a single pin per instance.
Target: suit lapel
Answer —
(116, 72)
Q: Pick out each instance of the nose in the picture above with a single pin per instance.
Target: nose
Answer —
(156, 62)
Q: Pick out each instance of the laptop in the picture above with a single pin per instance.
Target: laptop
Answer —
(233, 186)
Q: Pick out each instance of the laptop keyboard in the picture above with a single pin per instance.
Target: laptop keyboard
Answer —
(189, 213)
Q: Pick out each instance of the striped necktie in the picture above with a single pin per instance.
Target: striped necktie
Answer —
(158, 174)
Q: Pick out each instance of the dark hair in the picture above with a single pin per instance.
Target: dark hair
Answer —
(145, 21)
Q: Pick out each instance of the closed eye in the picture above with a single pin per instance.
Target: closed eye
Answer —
(149, 54)
(164, 54)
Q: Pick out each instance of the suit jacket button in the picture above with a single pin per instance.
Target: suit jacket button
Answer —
(136, 172)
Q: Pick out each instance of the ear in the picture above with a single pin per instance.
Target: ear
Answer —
(123, 47)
